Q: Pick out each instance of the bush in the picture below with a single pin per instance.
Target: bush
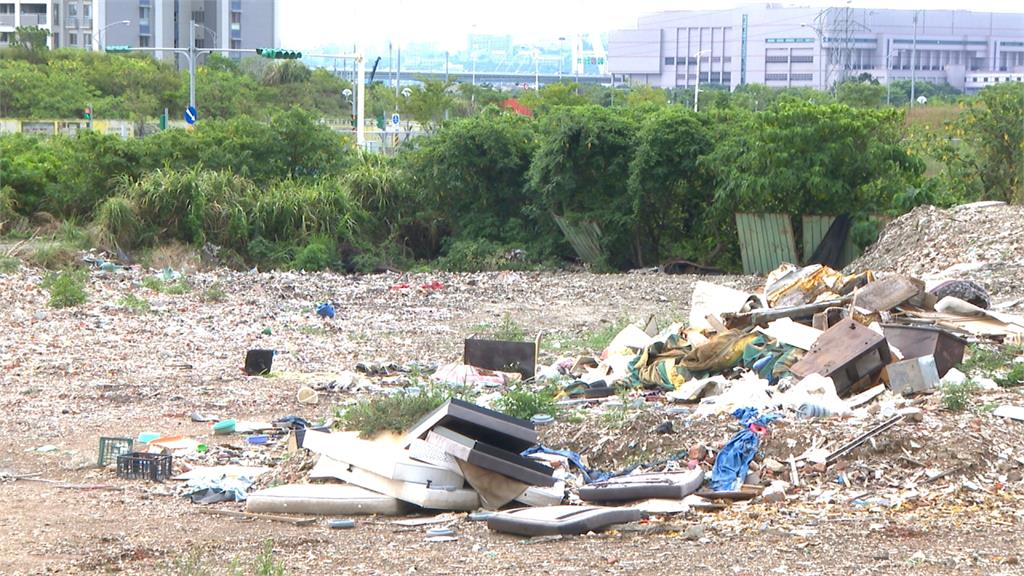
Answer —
(319, 254)
(66, 288)
(9, 265)
(53, 255)
(117, 225)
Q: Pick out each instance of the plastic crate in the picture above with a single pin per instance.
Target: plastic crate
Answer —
(111, 448)
(143, 466)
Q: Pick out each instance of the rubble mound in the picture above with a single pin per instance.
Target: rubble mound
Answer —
(981, 242)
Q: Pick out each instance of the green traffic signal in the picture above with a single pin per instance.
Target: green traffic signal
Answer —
(279, 54)
(118, 48)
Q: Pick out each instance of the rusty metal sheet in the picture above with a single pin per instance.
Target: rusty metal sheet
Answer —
(849, 353)
(887, 293)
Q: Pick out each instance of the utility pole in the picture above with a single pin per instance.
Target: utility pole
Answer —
(696, 84)
(913, 63)
(192, 63)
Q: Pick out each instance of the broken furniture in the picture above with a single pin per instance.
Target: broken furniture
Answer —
(470, 420)
(502, 355)
(917, 341)
(381, 458)
(850, 353)
(672, 485)
(491, 458)
(560, 520)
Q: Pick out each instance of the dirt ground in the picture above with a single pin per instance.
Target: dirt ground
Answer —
(69, 376)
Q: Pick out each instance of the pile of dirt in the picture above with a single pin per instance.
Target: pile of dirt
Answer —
(981, 242)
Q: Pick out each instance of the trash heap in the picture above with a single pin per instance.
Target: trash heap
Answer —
(853, 351)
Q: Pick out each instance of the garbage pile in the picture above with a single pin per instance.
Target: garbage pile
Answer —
(854, 352)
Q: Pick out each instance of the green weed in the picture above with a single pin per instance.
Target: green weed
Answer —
(397, 412)
(174, 288)
(995, 363)
(312, 330)
(66, 288)
(522, 401)
(53, 255)
(71, 234)
(9, 265)
(134, 303)
(508, 330)
(215, 293)
(956, 397)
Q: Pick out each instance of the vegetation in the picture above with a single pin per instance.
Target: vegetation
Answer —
(996, 363)
(524, 401)
(134, 303)
(397, 412)
(66, 288)
(633, 174)
(957, 397)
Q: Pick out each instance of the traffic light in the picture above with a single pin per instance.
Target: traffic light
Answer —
(279, 54)
(88, 113)
(118, 48)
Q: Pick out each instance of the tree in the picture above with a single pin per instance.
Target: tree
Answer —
(30, 41)
(580, 171)
(992, 152)
(428, 103)
(801, 158)
(470, 176)
(670, 190)
(860, 94)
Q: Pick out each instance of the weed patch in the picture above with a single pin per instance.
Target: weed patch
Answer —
(522, 401)
(134, 303)
(996, 363)
(956, 397)
(174, 288)
(215, 293)
(397, 412)
(66, 288)
(9, 265)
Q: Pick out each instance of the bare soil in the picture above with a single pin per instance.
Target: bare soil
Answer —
(69, 376)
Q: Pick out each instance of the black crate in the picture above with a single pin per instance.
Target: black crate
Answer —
(143, 466)
(111, 448)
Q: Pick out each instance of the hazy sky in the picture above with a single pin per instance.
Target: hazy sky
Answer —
(306, 24)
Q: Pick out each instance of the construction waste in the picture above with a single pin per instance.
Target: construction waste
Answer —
(854, 352)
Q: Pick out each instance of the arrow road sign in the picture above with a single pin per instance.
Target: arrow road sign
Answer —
(191, 115)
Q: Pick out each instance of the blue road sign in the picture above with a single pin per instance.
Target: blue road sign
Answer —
(395, 119)
(191, 115)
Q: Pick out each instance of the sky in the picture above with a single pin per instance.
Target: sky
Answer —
(447, 23)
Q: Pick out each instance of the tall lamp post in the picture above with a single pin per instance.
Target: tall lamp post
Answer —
(821, 53)
(98, 43)
(696, 84)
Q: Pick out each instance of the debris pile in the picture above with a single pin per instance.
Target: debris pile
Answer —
(984, 241)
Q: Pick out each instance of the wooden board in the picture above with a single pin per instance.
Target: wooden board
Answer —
(494, 428)
(491, 458)
(766, 240)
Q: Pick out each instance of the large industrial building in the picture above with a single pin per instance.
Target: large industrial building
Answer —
(815, 47)
(92, 24)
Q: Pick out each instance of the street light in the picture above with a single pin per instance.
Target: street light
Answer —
(696, 85)
(821, 52)
(98, 43)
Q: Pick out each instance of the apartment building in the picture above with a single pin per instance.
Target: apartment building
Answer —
(93, 24)
(815, 47)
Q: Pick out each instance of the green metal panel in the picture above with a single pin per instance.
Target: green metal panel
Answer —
(584, 237)
(766, 240)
